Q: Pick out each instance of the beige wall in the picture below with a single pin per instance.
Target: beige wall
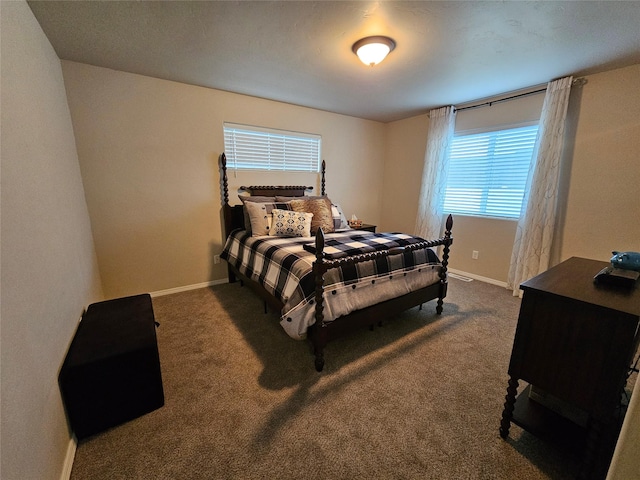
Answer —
(149, 151)
(625, 463)
(405, 146)
(49, 272)
(600, 178)
(602, 208)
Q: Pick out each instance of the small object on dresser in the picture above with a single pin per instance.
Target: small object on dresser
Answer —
(355, 222)
(626, 260)
(617, 277)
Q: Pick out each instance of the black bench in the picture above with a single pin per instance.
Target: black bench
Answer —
(111, 373)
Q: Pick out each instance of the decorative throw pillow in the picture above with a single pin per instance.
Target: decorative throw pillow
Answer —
(256, 199)
(339, 218)
(260, 216)
(288, 223)
(321, 209)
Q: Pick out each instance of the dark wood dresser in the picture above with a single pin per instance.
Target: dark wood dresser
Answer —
(575, 340)
(367, 227)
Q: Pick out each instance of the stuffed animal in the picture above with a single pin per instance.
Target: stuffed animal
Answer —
(626, 260)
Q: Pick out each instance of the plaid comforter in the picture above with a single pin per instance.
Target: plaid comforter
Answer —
(283, 266)
(351, 243)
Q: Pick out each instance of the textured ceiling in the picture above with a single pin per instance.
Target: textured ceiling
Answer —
(448, 52)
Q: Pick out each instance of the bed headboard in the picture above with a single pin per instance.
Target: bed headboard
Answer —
(233, 214)
(272, 191)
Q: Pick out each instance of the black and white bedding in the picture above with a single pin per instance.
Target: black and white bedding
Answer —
(283, 266)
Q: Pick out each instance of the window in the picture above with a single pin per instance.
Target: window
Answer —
(256, 148)
(488, 172)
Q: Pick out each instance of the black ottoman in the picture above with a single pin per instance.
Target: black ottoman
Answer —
(111, 373)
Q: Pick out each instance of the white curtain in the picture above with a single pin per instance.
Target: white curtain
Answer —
(434, 173)
(534, 234)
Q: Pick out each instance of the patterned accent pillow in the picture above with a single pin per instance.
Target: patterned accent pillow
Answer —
(322, 214)
(287, 223)
(260, 216)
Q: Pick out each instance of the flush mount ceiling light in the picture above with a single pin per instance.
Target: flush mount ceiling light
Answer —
(372, 50)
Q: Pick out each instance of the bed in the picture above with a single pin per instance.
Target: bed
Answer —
(326, 284)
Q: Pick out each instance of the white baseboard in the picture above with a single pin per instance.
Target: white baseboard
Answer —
(68, 459)
(479, 277)
(196, 286)
(186, 288)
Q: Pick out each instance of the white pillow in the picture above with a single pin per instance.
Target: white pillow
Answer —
(339, 218)
(287, 223)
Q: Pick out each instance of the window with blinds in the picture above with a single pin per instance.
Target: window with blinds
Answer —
(488, 172)
(257, 148)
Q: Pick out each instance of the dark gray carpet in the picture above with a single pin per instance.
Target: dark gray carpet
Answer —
(418, 398)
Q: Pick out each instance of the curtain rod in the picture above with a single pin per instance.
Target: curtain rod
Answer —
(488, 104)
(577, 82)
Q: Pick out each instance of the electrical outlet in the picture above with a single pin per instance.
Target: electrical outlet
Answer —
(474, 254)
(216, 259)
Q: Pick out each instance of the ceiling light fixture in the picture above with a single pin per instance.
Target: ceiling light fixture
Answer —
(372, 50)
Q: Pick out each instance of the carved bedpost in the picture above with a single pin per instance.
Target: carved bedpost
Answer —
(324, 168)
(319, 328)
(225, 180)
(448, 240)
(226, 209)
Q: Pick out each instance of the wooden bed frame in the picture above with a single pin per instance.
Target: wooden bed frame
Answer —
(321, 332)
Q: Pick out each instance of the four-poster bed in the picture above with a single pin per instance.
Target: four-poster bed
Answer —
(332, 283)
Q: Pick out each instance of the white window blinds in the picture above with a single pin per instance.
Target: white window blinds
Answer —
(257, 148)
(488, 172)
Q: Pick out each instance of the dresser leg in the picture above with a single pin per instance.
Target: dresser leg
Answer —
(590, 461)
(510, 401)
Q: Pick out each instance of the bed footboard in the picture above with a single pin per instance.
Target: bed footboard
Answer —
(322, 331)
